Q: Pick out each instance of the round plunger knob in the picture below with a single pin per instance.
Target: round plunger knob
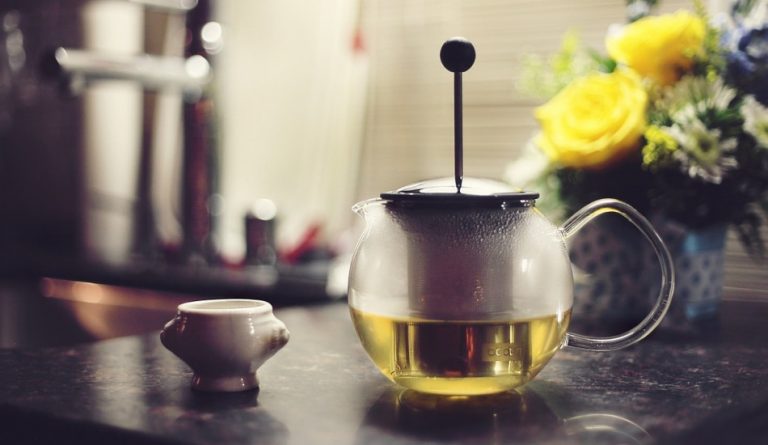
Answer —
(457, 54)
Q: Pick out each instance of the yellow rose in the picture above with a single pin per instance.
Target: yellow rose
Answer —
(661, 47)
(595, 120)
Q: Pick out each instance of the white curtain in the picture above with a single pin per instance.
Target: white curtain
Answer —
(290, 89)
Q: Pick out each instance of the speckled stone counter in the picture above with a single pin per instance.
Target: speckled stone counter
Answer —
(709, 386)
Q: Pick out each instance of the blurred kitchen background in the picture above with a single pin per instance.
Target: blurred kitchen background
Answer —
(155, 151)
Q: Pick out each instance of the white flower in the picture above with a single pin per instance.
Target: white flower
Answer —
(528, 168)
(756, 15)
(699, 92)
(638, 9)
(755, 120)
(703, 153)
(744, 14)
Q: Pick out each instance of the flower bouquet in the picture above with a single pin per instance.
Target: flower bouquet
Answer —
(672, 118)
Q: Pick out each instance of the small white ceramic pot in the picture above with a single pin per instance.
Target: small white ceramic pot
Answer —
(224, 341)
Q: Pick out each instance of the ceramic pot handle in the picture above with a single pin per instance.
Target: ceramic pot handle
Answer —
(652, 320)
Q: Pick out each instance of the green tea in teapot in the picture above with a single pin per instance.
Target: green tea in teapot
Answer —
(460, 357)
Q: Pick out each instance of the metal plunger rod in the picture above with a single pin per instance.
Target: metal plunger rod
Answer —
(457, 56)
(458, 132)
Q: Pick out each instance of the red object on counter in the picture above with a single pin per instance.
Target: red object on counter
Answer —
(307, 242)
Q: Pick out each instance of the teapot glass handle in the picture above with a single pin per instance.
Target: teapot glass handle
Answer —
(652, 320)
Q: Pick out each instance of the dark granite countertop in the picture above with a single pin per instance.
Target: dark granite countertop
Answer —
(676, 387)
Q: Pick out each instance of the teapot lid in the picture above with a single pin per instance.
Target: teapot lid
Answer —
(473, 192)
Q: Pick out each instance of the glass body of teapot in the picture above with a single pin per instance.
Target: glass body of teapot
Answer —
(472, 295)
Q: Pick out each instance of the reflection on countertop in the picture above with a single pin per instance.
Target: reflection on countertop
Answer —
(523, 416)
(53, 312)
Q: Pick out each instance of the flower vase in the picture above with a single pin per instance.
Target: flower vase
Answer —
(611, 280)
(699, 268)
(616, 276)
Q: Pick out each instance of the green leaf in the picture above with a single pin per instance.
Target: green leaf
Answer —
(604, 63)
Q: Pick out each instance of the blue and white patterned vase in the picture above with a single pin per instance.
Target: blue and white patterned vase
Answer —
(617, 276)
(609, 258)
(699, 268)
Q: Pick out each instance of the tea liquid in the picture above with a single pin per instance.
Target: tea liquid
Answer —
(460, 357)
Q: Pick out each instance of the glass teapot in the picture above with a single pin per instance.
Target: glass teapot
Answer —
(461, 286)
(471, 292)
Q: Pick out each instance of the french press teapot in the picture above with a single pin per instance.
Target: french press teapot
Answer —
(461, 286)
